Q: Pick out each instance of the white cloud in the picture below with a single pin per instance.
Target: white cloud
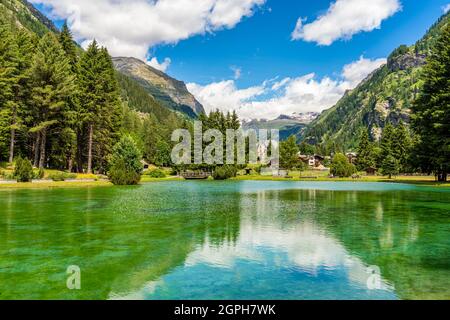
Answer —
(446, 8)
(355, 72)
(272, 98)
(344, 19)
(153, 62)
(223, 95)
(131, 27)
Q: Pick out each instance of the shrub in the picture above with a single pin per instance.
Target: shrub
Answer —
(62, 176)
(341, 167)
(157, 173)
(39, 174)
(224, 172)
(23, 170)
(125, 164)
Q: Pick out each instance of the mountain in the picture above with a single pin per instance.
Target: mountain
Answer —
(24, 14)
(304, 118)
(384, 96)
(286, 124)
(167, 91)
(163, 91)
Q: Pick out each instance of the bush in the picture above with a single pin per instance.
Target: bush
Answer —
(157, 173)
(62, 176)
(39, 174)
(23, 170)
(125, 164)
(224, 172)
(341, 167)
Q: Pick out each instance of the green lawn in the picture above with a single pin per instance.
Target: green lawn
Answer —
(425, 180)
(309, 175)
(52, 184)
(168, 178)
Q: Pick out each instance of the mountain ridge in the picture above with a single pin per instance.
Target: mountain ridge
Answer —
(385, 96)
(286, 124)
(168, 91)
(27, 16)
(177, 98)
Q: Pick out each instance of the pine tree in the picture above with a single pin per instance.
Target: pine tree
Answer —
(110, 122)
(365, 152)
(65, 147)
(21, 110)
(69, 46)
(52, 84)
(90, 96)
(9, 56)
(289, 153)
(390, 166)
(100, 101)
(431, 111)
(235, 123)
(401, 146)
(387, 139)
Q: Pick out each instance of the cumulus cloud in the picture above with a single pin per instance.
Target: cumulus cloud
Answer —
(224, 95)
(131, 27)
(306, 93)
(153, 62)
(344, 19)
(446, 8)
(355, 72)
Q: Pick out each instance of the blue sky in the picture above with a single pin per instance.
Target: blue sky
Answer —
(248, 54)
(261, 45)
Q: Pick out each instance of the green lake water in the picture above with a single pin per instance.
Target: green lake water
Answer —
(227, 240)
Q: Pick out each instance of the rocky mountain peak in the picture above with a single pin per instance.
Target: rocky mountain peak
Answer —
(165, 89)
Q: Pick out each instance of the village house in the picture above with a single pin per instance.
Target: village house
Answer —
(371, 171)
(352, 157)
(313, 162)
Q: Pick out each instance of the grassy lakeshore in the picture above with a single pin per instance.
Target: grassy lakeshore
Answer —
(422, 180)
(54, 184)
(419, 180)
(146, 179)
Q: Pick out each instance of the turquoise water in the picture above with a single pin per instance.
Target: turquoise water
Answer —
(227, 240)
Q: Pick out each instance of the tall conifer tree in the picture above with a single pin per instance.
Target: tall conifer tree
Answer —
(366, 157)
(431, 111)
(100, 103)
(52, 84)
(9, 56)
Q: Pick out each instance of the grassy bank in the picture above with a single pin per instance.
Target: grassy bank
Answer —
(75, 184)
(53, 184)
(420, 180)
(146, 179)
(305, 176)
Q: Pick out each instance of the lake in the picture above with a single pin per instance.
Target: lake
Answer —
(227, 240)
